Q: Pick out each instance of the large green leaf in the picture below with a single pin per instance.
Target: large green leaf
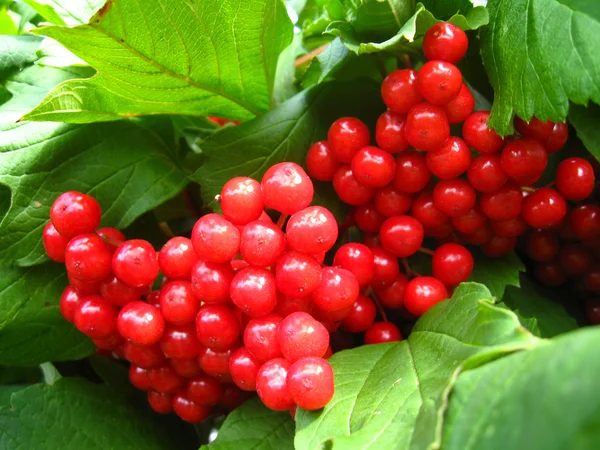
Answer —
(545, 398)
(394, 395)
(66, 12)
(539, 55)
(16, 52)
(497, 273)
(284, 134)
(253, 425)
(585, 120)
(76, 414)
(32, 329)
(215, 57)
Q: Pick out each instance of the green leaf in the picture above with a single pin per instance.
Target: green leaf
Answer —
(445, 9)
(285, 75)
(497, 273)
(585, 120)
(7, 24)
(71, 13)
(215, 57)
(283, 134)
(539, 55)
(17, 52)
(544, 398)
(327, 63)
(253, 425)
(394, 395)
(317, 14)
(51, 53)
(81, 415)
(32, 330)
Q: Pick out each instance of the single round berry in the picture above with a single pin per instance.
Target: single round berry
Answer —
(389, 132)
(55, 244)
(244, 367)
(253, 291)
(74, 213)
(534, 129)
(138, 377)
(320, 161)
(476, 133)
(367, 218)
(141, 323)
(542, 245)
(592, 311)
(585, 220)
(215, 239)
(422, 293)
(544, 208)
(439, 81)
(160, 402)
(262, 243)
(460, 107)
(177, 258)
(164, 379)
(96, 318)
(402, 235)
(399, 90)
(575, 179)
(180, 342)
(346, 136)
(480, 237)
(427, 127)
(503, 204)
(452, 264)
(233, 397)
(312, 230)
(297, 275)
(424, 210)
(135, 263)
(510, 228)
(338, 289)
(390, 201)
(210, 283)
(349, 189)
(204, 390)
(88, 258)
(178, 303)
(215, 363)
(373, 167)
(446, 42)
(271, 385)
(392, 295)
(218, 327)
(241, 200)
(412, 174)
(261, 337)
(84, 287)
(550, 274)
(524, 160)
(69, 303)
(470, 222)
(143, 356)
(558, 137)
(486, 173)
(361, 316)
(287, 305)
(188, 410)
(451, 160)
(498, 246)
(454, 197)
(119, 293)
(301, 335)
(187, 368)
(358, 259)
(310, 383)
(575, 259)
(287, 188)
(591, 279)
(381, 333)
(385, 265)
(111, 343)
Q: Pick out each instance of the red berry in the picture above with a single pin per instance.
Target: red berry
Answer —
(385, 265)
(188, 410)
(88, 258)
(217, 326)
(310, 383)
(55, 244)
(480, 237)
(439, 81)
(486, 173)
(524, 160)
(503, 204)
(373, 167)
(338, 289)
(498, 246)
(180, 342)
(187, 368)
(358, 259)
(454, 197)
(84, 287)
(361, 316)
(389, 132)
(347, 136)
(427, 127)
(112, 343)
(74, 213)
(142, 356)
(135, 263)
(253, 291)
(575, 179)
(301, 335)
(119, 293)
(177, 257)
(460, 107)
(320, 161)
(575, 259)
(470, 222)
(210, 284)
(390, 201)
(164, 379)
(69, 303)
(585, 220)
(244, 367)
(204, 390)
(381, 333)
(233, 397)
(476, 133)
(215, 363)
(287, 188)
(261, 337)
(141, 323)
(287, 305)
(392, 295)
(592, 311)
(535, 129)
(412, 174)
(422, 293)
(451, 160)
(591, 279)
(550, 274)
(160, 402)
(542, 245)
(178, 303)
(262, 243)
(558, 137)
(446, 42)
(452, 264)
(297, 275)
(510, 228)
(349, 189)
(402, 235)
(241, 200)
(137, 377)
(215, 239)
(96, 318)
(399, 90)
(544, 208)
(271, 385)
(312, 230)
(424, 210)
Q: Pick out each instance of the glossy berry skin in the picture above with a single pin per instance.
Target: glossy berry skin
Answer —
(209, 282)
(96, 318)
(367, 218)
(412, 173)
(476, 133)
(287, 188)
(180, 342)
(178, 304)
(498, 246)
(349, 189)
(142, 356)
(389, 132)
(160, 402)
(575, 179)
(381, 333)
(188, 410)
(534, 129)
(427, 127)
(297, 275)
(346, 136)
(310, 382)
(141, 323)
(470, 222)
(320, 161)
(69, 303)
(424, 210)
(439, 81)
(164, 379)
(261, 337)
(524, 160)
(373, 167)
(262, 243)
(451, 160)
(113, 343)
(392, 295)
(135, 263)
(312, 230)
(542, 245)
(486, 173)
(585, 220)
(137, 377)
(544, 208)
(176, 258)
(217, 327)
(452, 264)
(215, 363)
(111, 236)
(390, 201)
(361, 316)
(338, 289)
(510, 228)
(358, 259)
(233, 397)
(55, 244)
(454, 197)
(301, 335)
(558, 137)
(244, 367)
(119, 293)
(399, 91)
(204, 390)
(74, 213)
(503, 204)
(215, 239)
(271, 385)
(385, 265)
(479, 237)
(88, 258)
(460, 107)
(287, 305)
(253, 291)
(241, 200)
(446, 42)
(402, 235)
(422, 293)
(187, 368)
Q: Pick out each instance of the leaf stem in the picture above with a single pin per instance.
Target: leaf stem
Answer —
(282, 218)
(316, 52)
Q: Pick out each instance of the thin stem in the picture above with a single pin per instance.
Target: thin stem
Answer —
(550, 184)
(316, 52)
(528, 189)
(408, 270)
(380, 64)
(166, 229)
(426, 251)
(282, 218)
(406, 61)
(191, 203)
(371, 293)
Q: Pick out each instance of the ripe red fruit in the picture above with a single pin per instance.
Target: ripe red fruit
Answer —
(210, 284)
(312, 230)
(142, 356)
(180, 342)
(244, 367)
(297, 275)
(178, 303)
(460, 107)
(498, 246)
(390, 201)
(470, 222)
(135, 263)
(301, 335)
(137, 377)
(204, 390)
(503, 204)
(486, 173)
(381, 333)
(454, 197)
(310, 383)
(575, 259)
(591, 279)
(452, 264)
(558, 137)
(176, 258)
(544, 208)
(524, 160)
(215, 363)
(96, 318)
(164, 379)
(385, 265)
(412, 174)
(424, 210)
(261, 337)
(361, 316)
(242, 200)
(575, 179)
(253, 291)
(287, 188)
(346, 136)
(534, 129)
(367, 218)
(402, 235)
(480, 237)
(84, 287)
(358, 259)
(446, 42)
(215, 239)
(392, 295)
(476, 133)
(592, 311)
(74, 213)
(542, 245)
(218, 327)
(188, 410)
(69, 303)
(585, 220)
(338, 289)
(510, 228)
(187, 368)
(389, 132)
(160, 402)
(271, 385)
(422, 293)
(399, 90)
(427, 127)
(373, 167)
(88, 258)
(451, 160)
(349, 189)
(550, 274)
(320, 161)
(439, 81)
(262, 243)
(55, 244)
(119, 293)
(141, 323)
